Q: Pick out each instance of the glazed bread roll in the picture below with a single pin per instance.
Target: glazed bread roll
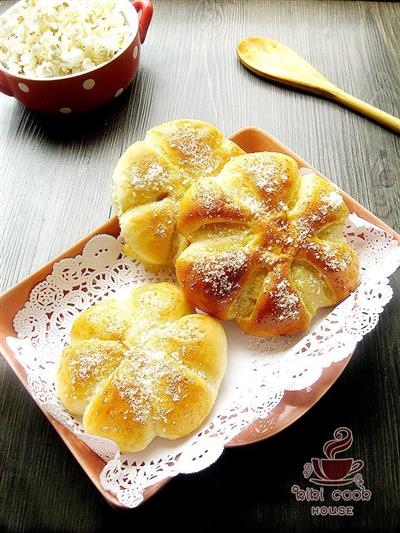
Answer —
(142, 367)
(266, 245)
(151, 178)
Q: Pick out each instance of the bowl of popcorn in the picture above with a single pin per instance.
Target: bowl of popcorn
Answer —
(68, 56)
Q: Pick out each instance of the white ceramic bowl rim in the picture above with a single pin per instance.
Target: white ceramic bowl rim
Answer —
(132, 18)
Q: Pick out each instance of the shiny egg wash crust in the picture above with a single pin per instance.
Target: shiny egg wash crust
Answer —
(266, 245)
(142, 367)
(152, 176)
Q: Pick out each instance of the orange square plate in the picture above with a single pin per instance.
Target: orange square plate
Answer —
(292, 406)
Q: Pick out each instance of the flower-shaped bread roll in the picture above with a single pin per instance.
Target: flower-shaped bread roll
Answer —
(142, 367)
(152, 176)
(267, 246)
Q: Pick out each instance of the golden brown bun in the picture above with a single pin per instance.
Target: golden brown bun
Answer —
(266, 245)
(142, 367)
(152, 176)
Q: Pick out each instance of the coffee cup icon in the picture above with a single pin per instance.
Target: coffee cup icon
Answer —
(336, 470)
(332, 471)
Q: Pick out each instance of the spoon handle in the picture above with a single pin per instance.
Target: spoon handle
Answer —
(366, 109)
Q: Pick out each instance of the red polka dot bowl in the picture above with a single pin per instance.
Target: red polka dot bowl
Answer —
(91, 88)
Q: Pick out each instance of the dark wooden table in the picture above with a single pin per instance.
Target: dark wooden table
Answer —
(55, 187)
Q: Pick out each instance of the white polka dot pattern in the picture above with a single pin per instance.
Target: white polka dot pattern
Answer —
(23, 87)
(89, 84)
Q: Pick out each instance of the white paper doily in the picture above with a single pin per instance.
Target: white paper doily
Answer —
(259, 370)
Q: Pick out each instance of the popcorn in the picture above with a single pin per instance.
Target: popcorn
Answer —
(47, 38)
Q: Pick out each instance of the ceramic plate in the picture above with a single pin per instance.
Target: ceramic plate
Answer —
(293, 405)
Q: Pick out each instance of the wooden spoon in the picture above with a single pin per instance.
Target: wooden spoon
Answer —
(279, 63)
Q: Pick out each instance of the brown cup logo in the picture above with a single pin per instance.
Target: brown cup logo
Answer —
(331, 470)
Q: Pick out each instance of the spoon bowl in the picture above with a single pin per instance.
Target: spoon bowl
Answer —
(278, 62)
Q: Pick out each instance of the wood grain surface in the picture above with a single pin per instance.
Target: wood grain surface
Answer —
(55, 188)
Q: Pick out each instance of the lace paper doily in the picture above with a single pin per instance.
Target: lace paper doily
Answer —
(259, 370)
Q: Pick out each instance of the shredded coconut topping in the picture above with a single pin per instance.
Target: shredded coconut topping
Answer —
(213, 200)
(150, 379)
(192, 145)
(264, 173)
(208, 198)
(221, 271)
(155, 177)
(333, 199)
(287, 302)
(137, 393)
(334, 260)
(82, 369)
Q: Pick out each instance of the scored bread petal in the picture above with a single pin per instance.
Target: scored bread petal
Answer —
(279, 309)
(142, 176)
(153, 306)
(196, 147)
(336, 261)
(121, 408)
(82, 367)
(156, 304)
(263, 182)
(199, 342)
(149, 232)
(206, 203)
(182, 401)
(212, 273)
(108, 321)
(319, 204)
